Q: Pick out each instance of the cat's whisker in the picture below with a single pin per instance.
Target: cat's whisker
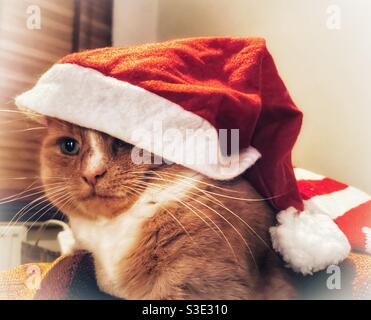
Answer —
(28, 193)
(172, 175)
(251, 229)
(13, 122)
(14, 115)
(28, 188)
(16, 178)
(173, 217)
(41, 229)
(23, 130)
(60, 202)
(231, 225)
(25, 195)
(192, 209)
(193, 179)
(21, 197)
(226, 189)
(60, 209)
(211, 185)
(63, 206)
(52, 200)
(220, 204)
(221, 234)
(183, 228)
(72, 199)
(243, 199)
(217, 201)
(133, 190)
(55, 178)
(32, 178)
(19, 112)
(225, 219)
(38, 215)
(33, 204)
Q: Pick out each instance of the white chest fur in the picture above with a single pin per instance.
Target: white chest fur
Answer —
(110, 239)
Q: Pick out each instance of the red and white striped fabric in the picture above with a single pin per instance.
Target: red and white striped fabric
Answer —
(349, 207)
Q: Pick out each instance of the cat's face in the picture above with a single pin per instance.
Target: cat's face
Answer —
(88, 173)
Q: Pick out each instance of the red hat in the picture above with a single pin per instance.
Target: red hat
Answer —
(196, 87)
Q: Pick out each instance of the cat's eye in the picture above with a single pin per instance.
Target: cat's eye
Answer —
(119, 144)
(69, 146)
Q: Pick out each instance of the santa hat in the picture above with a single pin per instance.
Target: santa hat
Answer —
(197, 87)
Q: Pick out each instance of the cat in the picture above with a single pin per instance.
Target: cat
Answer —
(160, 231)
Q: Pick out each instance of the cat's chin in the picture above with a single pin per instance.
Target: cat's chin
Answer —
(95, 206)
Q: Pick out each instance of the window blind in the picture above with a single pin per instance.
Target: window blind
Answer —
(28, 49)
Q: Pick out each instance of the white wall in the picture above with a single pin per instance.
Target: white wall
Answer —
(134, 21)
(328, 71)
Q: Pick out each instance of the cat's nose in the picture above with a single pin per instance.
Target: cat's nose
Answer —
(92, 176)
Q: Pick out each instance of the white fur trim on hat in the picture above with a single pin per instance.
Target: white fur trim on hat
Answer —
(308, 241)
(90, 99)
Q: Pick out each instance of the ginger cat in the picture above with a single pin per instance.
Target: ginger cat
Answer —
(159, 231)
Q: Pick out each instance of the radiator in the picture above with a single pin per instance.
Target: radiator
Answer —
(10, 245)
